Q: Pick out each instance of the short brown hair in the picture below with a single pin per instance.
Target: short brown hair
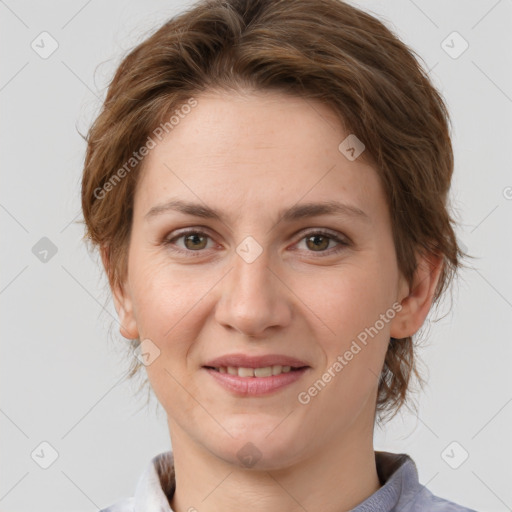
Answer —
(325, 50)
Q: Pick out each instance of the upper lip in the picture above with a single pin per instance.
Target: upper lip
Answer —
(245, 361)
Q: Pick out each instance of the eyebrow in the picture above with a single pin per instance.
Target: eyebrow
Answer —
(296, 212)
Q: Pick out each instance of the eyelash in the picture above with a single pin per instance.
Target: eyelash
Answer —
(343, 243)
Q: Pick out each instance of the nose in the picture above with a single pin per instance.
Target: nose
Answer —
(254, 300)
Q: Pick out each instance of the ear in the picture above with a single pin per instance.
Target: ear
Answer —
(122, 301)
(416, 300)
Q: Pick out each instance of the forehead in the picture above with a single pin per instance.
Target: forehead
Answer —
(257, 149)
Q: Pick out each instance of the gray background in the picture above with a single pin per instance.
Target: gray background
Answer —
(62, 374)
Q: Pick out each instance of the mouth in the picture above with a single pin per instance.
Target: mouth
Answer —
(244, 375)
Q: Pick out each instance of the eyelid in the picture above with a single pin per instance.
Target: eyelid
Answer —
(325, 231)
(342, 240)
(179, 233)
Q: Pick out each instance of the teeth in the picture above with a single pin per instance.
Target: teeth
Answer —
(276, 370)
(266, 371)
(263, 372)
(245, 372)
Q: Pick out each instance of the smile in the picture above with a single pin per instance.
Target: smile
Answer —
(265, 371)
(243, 381)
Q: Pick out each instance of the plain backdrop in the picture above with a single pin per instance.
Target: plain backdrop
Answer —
(62, 372)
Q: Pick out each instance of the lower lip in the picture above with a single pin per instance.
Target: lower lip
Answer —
(254, 386)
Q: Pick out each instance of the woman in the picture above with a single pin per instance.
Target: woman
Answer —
(267, 184)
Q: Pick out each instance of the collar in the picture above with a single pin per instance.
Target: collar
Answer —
(155, 484)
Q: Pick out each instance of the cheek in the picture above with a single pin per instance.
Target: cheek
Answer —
(351, 303)
(350, 299)
(162, 292)
(170, 306)
(166, 306)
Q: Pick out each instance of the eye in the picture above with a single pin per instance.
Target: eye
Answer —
(321, 241)
(193, 241)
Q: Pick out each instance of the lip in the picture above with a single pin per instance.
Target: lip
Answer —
(245, 361)
(256, 386)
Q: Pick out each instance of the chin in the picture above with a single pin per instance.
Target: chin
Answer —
(259, 445)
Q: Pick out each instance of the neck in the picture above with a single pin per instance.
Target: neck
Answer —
(336, 479)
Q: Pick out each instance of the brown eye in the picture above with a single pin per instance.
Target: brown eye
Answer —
(195, 241)
(188, 242)
(318, 241)
(323, 243)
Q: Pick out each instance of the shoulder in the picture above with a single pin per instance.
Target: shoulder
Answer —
(427, 501)
(403, 490)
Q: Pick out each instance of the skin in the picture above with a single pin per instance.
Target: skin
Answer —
(249, 155)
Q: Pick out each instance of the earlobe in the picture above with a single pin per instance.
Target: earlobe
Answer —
(124, 308)
(122, 302)
(418, 300)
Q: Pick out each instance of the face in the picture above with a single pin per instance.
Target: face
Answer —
(236, 263)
